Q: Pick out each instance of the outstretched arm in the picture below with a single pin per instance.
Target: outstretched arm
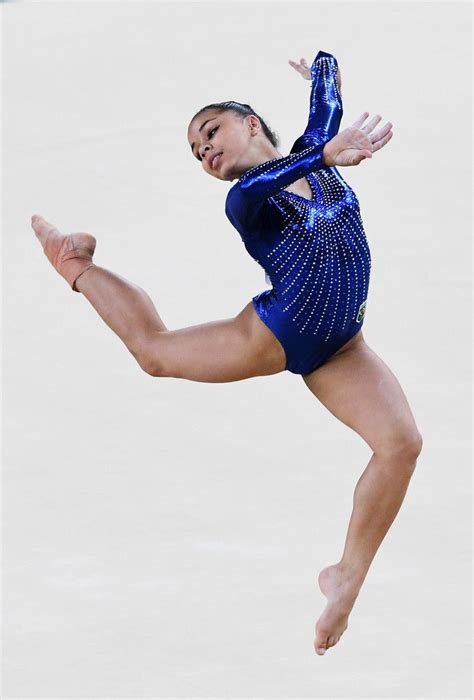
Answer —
(325, 106)
(247, 197)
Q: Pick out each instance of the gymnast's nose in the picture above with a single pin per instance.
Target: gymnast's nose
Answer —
(204, 152)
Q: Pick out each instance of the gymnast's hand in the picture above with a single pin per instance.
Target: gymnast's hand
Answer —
(305, 71)
(350, 146)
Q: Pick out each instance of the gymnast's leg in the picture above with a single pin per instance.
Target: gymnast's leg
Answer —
(359, 389)
(219, 351)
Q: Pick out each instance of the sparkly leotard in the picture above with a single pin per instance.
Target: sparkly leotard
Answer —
(315, 252)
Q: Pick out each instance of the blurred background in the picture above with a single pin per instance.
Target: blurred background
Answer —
(162, 538)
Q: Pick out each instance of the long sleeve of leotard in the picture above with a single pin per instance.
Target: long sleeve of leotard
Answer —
(325, 104)
(247, 197)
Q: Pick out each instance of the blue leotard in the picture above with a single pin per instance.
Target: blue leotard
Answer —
(315, 252)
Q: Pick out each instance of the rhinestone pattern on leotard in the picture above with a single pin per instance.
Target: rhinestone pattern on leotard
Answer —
(321, 266)
(314, 252)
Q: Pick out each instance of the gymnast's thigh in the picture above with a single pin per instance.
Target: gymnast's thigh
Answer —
(263, 338)
(359, 389)
(218, 351)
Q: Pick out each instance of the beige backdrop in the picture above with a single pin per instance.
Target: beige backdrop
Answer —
(162, 538)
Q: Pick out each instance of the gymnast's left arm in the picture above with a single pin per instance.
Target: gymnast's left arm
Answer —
(325, 105)
(325, 108)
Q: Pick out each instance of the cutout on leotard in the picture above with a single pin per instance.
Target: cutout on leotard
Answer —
(300, 195)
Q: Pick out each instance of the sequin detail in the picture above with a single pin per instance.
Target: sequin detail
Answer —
(314, 252)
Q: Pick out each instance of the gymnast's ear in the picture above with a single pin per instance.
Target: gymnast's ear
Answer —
(253, 123)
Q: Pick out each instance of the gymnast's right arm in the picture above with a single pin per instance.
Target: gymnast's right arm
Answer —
(247, 197)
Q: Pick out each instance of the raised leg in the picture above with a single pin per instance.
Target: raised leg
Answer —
(359, 389)
(218, 351)
(126, 308)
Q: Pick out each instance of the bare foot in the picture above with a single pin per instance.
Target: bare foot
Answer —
(341, 590)
(70, 255)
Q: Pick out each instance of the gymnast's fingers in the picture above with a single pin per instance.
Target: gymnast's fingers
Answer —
(381, 140)
(380, 133)
(373, 122)
(358, 122)
(302, 68)
(296, 66)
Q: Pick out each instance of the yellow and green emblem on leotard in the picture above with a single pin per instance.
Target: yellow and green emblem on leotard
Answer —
(361, 313)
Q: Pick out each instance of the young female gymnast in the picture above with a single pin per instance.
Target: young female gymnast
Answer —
(301, 221)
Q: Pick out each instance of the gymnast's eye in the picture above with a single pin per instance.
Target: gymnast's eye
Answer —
(209, 137)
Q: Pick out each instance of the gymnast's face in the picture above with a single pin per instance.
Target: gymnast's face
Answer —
(226, 143)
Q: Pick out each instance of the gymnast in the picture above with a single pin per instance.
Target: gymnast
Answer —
(300, 220)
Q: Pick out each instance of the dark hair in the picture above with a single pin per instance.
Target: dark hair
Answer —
(244, 110)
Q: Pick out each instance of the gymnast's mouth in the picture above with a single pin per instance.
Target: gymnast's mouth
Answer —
(215, 160)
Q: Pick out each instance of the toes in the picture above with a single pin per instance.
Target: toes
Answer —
(41, 226)
(43, 230)
(321, 647)
(321, 638)
(321, 644)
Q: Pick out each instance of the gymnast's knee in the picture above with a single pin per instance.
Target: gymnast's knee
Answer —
(404, 448)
